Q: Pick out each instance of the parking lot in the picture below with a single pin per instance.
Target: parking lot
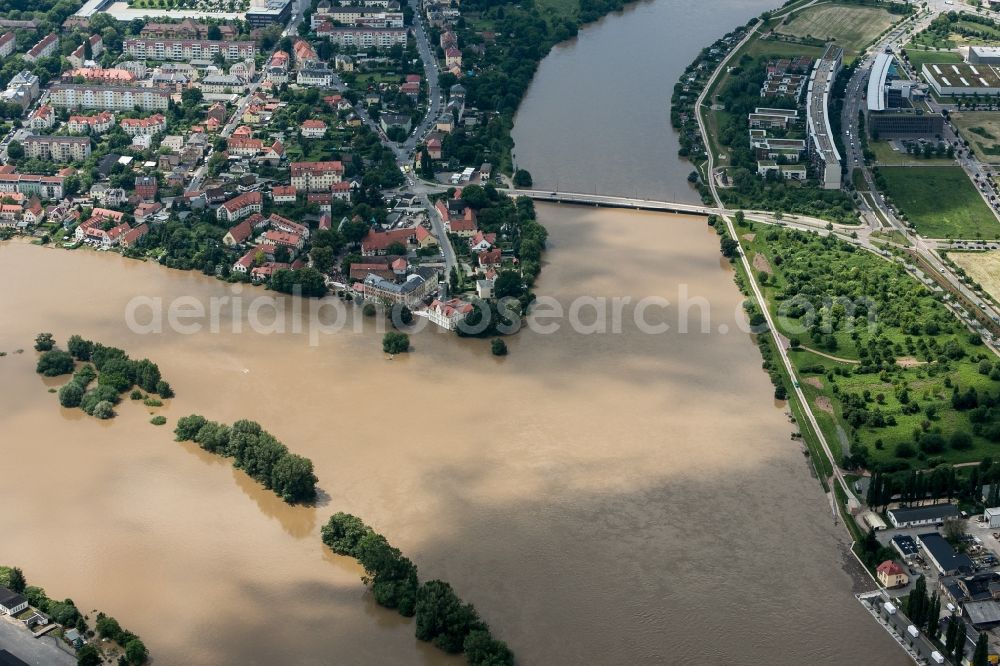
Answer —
(17, 640)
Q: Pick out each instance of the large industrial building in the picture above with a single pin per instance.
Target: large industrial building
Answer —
(986, 55)
(959, 78)
(893, 107)
(265, 12)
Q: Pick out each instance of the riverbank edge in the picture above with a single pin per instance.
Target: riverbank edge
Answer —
(743, 278)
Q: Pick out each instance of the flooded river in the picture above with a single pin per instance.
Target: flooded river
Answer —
(618, 498)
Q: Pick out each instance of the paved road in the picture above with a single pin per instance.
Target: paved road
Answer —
(17, 640)
(234, 121)
(758, 295)
(874, 207)
(435, 99)
(405, 152)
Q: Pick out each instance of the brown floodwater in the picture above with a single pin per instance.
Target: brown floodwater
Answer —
(601, 498)
(618, 498)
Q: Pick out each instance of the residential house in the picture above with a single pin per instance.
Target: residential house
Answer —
(22, 89)
(237, 235)
(389, 120)
(341, 190)
(240, 206)
(42, 118)
(313, 129)
(272, 155)
(78, 57)
(288, 226)
(46, 187)
(482, 242)
(448, 314)
(434, 148)
(891, 574)
(276, 70)
(490, 258)
(425, 238)
(133, 236)
(244, 146)
(11, 603)
(362, 37)
(145, 211)
(316, 176)
(283, 194)
(378, 242)
(44, 48)
(99, 75)
(145, 187)
(96, 124)
(8, 42)
(57, 148)
(188, 49)
(218, 112)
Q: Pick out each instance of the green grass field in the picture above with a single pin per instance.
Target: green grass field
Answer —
(919, 57)
(884, 154)
(982, 130)
(940, 201)
(850, 26)
(558, 8)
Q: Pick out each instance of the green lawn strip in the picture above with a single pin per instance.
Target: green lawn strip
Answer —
(918, 57)
(884, 154)
(940, 201)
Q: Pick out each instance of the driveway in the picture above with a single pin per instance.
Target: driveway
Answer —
(17, 640)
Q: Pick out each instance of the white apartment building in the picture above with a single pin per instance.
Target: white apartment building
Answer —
(365, 37)
(57, 148)
(188, 49)
(316, 176)
(112, 98)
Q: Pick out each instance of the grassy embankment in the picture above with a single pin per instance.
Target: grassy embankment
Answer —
(852, 27)
(940, 201)
(890, 397)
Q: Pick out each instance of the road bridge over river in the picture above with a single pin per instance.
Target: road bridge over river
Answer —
(616, 202)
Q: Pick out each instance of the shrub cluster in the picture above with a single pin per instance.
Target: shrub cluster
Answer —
(441, 617)
(114, 371)
(256, 452)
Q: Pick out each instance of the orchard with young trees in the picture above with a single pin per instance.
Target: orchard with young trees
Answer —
(879, 356)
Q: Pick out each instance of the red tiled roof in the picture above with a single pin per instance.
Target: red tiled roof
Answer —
(381, 240)
(241, 231)
(299, 168)
(136, 234)
(890, 568)
(245, 199)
